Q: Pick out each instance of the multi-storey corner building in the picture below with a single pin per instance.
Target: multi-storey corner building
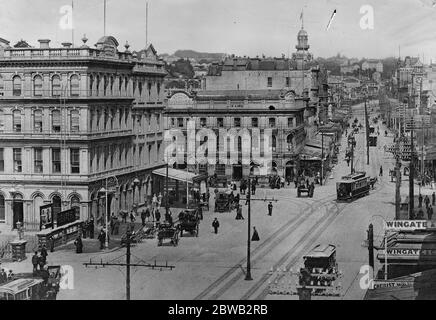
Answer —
(70, 118)
(286, 95)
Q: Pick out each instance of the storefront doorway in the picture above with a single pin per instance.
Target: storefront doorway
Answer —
(17, 209)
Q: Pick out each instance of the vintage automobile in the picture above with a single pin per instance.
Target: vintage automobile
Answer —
(302, 188)
(189, 220)
(44, 285)
(320, 271)
(353, 186)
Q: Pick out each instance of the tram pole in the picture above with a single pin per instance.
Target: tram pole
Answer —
(322, 158)
(411, 175)
(248, 275)
(367, 132)
(128, 266)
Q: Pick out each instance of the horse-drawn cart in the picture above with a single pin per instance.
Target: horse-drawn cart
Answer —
(189, 221)
(166, 231)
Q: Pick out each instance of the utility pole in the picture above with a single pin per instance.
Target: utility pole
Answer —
(322, 158)
(128, 264)
(411, 174)
(249, 199)
(367, 133)
(352, 154)
(167, 192)
(371, 245)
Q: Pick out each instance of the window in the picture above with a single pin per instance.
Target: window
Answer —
(158, 152)
(37, 121)
(17, 160)
(149, 153)
(56, 160)
(91, 84)
(75, 160)
(158, 89)
(112, 86)
(2, 160)
(134, 87)
(56, 88)
(288, 81)
(203, 122)
(272, 122)
(254, 122)
(38, 164)
(2, 209)
(269, 82)
(149, 88)
(121, 118)
(180, 122)
(97, 86)
(220, 122)
(120, 85)
(37, 86)
(290, 122)
(237, 122)
(2, 121)
(2, 86)
(16, 115)
(158, 121)
(274, 143)
(140, 88)
(74, 86)
(16, 86)
(56, 120)
(173, 122)
(105, 85)
(75, 121)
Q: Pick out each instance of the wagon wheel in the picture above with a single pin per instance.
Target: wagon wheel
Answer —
(196, 232)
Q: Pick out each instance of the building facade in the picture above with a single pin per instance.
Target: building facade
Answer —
(72, 118)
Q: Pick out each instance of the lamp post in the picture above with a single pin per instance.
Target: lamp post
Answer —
(105, 190)
(136, 182)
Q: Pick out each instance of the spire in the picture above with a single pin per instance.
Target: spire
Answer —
(302, 19)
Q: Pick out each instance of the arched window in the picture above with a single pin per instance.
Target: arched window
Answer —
(272, 108)
(2, 121)
(126, 85)
(120, 85)
(134, 87)
(56, 121)
(91, 84)
(158, 89)
(37, 120)
(37, 86)
(98, 86)
(56, 88)
(57, 205)
(2, 209)
(75, 202)
(16, 86)
(112, 86)
(105, 85)
(74, 85)
(140, 88)
(75, 117)
(149, 88)
(16, 119)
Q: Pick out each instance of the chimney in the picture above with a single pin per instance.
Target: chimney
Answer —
(44, 43)
(67, 44)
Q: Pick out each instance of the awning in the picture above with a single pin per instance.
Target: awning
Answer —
(311, 154)
(175, 174)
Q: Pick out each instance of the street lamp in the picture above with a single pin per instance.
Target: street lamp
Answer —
(386, 246)
(136, 182)
(105, 191)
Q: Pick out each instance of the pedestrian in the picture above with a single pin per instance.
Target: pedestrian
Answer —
(35, 262)
(44, 254)
(282, 181)
(3, 276)
(239, 213)
(102, 238)
(143, 216)
(420, 214)
(381, 171)
(170, 217)
(157, 215)
(79, 245)
(147, 214)
(51, 243)
(296, 183)
(255, 236)
(85, 229)
(200, 212)
(420, 200)
(132, 216)
(433, 199)
(430, 212)
(159, 199)
(154, 201)
(270, 209)
(10, 275)
(112, 224)
(215, 225)
(253, 189)
(124, 216)
(41, 262)
(427, 201)
(116, 226)
(91, 227)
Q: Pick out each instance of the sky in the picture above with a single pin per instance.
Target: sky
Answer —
(241, 27)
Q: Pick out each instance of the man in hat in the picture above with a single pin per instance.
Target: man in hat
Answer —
(44, 254)
(433, 199)
(35, 262)
(91, 227)
(420, 200)
(102, 238)
(270, 209)
(430, 212)
(239, 213)
(79, 244)
(215, 225)
(427, 201)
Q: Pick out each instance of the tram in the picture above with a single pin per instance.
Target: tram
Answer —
(353, 186)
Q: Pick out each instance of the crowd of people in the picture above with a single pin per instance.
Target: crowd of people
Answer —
(428, 206)
(39, 259)
(6, 276)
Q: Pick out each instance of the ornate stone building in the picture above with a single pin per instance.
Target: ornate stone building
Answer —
(70, 118)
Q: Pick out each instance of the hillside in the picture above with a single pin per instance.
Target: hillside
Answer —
(187, 54)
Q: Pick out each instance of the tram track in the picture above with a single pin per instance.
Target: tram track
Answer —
(305, 244)
(262, 249)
